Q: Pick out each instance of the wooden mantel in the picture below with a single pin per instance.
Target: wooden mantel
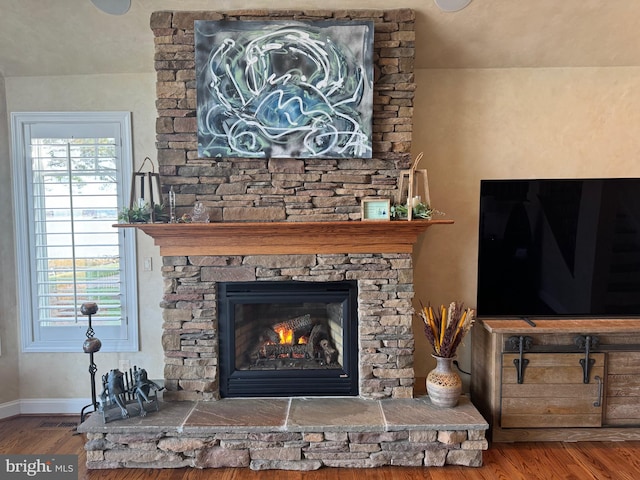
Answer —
(278, 238)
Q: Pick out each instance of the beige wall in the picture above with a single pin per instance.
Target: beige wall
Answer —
(501, 123)
(39, 372)
(470, 124)
(8, 326)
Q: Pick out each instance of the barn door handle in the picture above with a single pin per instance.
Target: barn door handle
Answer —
(598, 402)
(586, 343)
(522, 344)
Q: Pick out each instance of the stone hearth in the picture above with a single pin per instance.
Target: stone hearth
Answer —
(290, 434)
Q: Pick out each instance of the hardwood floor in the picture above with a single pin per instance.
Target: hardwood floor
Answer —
(526, 461)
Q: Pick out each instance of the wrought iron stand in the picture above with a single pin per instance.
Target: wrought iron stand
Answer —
(90, 346)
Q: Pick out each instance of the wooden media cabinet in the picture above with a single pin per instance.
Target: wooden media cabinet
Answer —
(560, 380)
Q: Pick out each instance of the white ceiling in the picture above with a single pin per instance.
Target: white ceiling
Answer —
(66, 37)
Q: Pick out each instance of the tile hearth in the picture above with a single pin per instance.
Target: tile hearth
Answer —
(290, 434)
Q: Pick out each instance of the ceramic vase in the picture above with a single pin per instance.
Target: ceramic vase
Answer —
(444, 385)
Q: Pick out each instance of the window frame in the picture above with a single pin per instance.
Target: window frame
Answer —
(32, 339)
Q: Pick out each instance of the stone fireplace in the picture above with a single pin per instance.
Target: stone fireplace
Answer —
(384, 352)
(276, 224)
(286, 190)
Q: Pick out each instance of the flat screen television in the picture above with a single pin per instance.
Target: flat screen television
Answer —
(565, 248)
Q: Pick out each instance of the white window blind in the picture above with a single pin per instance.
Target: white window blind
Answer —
(71, 171)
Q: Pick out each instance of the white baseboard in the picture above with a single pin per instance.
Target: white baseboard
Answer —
(9, 409)
(44, 406)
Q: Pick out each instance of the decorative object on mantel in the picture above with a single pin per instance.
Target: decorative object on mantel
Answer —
(417, 187)
(445, 329)
(172, 205)
(419, 210)
(159, 213)
(375, 208)
(140, 213)
(199, 213)
(140, 198)
(121, 389)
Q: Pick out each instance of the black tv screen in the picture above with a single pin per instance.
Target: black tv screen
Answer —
(559, 248)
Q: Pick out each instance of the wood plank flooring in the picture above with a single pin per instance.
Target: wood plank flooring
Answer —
(519, 461)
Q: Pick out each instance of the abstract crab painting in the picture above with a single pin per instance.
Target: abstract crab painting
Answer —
(270, 89)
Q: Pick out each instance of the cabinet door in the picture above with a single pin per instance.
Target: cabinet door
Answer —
(623, 389)
(553, 392)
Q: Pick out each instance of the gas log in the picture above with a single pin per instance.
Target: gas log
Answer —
(285, 351)
(296, 338)
(299, 326)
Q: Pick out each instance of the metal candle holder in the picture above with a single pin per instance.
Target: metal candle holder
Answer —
(90, 346)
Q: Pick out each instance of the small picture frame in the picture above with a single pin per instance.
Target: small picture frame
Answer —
(375, 208)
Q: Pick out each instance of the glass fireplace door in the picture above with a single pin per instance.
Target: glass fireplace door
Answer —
(288, 338)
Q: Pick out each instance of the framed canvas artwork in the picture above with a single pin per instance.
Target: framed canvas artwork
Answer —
(269, 89)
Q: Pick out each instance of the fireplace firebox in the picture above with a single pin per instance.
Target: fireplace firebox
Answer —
(288, 338)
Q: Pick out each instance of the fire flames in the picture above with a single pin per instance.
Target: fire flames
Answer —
(288, 340)
(286, 337)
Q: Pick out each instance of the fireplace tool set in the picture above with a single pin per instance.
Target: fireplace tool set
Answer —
(118, 389)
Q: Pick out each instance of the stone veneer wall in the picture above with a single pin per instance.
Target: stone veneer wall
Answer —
(236, 189)
(302, 451)
(385, 290)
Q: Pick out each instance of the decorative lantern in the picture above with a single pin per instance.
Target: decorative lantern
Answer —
(141, 194)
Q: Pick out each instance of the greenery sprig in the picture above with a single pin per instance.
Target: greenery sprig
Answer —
(420, 210)
(142, 214)
(445, 328)
(136, 214)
